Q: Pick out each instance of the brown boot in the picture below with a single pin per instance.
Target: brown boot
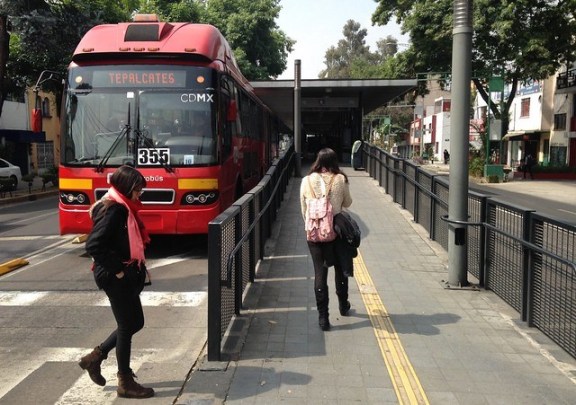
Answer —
(128, 388)
(91, 363)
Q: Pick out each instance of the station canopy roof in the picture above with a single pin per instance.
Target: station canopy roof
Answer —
(322, 100)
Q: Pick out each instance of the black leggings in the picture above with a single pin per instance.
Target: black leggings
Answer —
(127, 309)
(323, 257)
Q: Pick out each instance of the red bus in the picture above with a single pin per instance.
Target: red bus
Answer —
(169, 99)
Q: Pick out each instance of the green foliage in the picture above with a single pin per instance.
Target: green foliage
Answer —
(352, 58)
(44, 38)
(28, 178)
(45, 33)
(260, 47)
(493, 178)
(476, 167)
(50, 176)
(521, 39)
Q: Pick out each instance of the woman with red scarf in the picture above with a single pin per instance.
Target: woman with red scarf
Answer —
(116, 245)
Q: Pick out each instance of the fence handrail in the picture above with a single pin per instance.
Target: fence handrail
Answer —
(245, 235)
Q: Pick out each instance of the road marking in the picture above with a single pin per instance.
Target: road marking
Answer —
(34, 218)
(33, 237)
(566, 211)
(98, 298)
(84, 391)
(406, 383)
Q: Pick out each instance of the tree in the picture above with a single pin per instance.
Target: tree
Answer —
(260, 47)
(352, 58)
(37, 35)
(519, 39)
(43, 34)
(8, 8)
(351, 50)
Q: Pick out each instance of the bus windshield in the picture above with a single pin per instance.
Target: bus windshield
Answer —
(117, 115)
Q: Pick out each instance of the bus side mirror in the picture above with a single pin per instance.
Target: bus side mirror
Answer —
(232, 111)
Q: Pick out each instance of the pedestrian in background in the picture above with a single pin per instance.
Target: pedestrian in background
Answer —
(446, 156)
(116, 245)
(324, 171)
(528, 164)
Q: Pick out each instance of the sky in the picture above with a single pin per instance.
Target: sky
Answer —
(316, 25)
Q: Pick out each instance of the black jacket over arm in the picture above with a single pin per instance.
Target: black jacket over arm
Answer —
(347, 242)
(108, 242)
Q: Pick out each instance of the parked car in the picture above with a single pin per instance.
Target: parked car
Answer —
(10, 171)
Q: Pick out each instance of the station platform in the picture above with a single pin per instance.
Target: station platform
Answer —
(408, 338)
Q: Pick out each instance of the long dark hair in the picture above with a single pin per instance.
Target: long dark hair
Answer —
(127, 179)
(327, 160)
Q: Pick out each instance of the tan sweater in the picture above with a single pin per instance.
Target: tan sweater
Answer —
(339, 192)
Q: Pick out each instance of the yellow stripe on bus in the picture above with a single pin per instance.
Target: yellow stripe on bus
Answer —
(198, 184)
(76, 184)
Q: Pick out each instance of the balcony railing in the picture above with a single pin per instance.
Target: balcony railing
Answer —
(566, 79)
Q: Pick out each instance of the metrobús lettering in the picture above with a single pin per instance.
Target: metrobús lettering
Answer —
(142, 78)
(197, 98)
(154, 178)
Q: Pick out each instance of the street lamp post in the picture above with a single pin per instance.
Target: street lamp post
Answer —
(458, 196)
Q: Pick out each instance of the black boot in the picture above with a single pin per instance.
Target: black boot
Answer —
(91, 363)
(322, 305)
(324, 322)
(342, 293)
(344, 307)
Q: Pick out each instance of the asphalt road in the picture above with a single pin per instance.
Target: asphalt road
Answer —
(52, 314)
(556, 199)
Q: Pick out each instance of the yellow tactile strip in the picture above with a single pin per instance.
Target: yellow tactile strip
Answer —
(406, 383)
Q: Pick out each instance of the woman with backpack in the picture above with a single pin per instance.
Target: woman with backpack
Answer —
(325, 179)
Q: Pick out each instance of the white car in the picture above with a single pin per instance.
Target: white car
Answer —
(7, 169)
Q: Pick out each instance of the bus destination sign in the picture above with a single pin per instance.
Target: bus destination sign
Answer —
(139, 78)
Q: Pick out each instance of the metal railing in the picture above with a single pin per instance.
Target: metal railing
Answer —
(526, 258)
(236, 244)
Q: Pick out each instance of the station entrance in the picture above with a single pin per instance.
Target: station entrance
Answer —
(331, 110)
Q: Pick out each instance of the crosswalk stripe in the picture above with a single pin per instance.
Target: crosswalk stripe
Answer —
(99, 298)
(85, 392)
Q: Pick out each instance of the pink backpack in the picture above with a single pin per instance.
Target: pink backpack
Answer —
(319, 217)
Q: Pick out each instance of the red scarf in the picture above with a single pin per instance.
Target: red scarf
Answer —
(137, 234)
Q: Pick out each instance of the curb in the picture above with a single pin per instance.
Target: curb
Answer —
(27, 197)
(12, 265)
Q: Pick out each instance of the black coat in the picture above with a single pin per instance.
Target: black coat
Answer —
(347, 243)
(109, 247)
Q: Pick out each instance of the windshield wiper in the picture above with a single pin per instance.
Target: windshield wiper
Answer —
(149, 144)
(108, 154)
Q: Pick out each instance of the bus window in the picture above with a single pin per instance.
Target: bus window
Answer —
(226, 128)
(183, 129)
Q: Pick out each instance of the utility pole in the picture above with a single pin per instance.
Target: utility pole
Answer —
(458, 197)
(297, 119)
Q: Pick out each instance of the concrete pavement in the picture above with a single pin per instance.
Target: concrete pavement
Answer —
(407, 339)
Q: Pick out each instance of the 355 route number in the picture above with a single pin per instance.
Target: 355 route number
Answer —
(156, 156)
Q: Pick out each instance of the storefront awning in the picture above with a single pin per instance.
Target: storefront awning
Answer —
(519, 135)
(22, 136)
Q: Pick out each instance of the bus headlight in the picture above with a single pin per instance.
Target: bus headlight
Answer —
(73, 198)
(199, 198)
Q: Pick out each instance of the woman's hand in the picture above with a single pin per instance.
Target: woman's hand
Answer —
(120, 275)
